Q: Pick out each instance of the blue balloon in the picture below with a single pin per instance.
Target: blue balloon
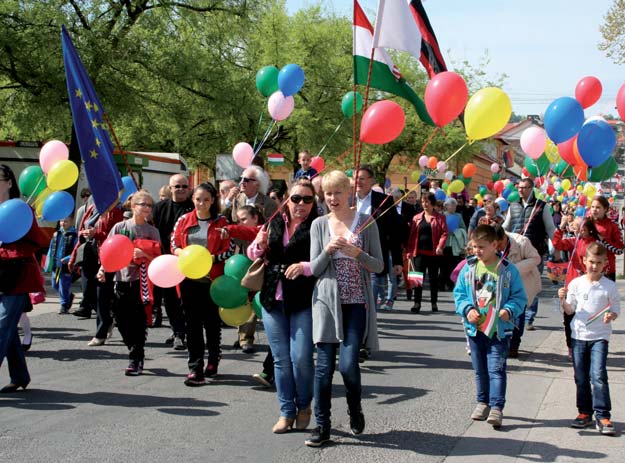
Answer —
(440, 195)
(16, 218)
(129, 188)
(503, 204)
(290, 79)
(580, 211)
(563, 119)
(453, 221)
(505, 193)
(596, 141)
(57, 206)
(423, 178)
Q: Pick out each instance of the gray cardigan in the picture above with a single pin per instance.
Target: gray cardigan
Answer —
(326, 305)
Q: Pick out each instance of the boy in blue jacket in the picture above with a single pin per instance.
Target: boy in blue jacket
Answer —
(489, 294)
(61, 245)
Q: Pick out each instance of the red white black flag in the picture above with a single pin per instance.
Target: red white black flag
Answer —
(431, 56)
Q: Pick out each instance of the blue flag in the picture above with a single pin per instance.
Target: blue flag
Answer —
(94, 141)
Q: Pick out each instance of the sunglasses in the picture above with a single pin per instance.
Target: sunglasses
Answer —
(246, 180)
(144, 204)
(178, 187)
(296, 199)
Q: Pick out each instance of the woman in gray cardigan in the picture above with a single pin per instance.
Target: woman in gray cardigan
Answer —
(345, 250)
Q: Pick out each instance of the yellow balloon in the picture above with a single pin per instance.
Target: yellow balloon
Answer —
(566, 184)
(580, 188)
(195, 261)
(487, 112)
(236, 317)
(456, 186)
(415, 175)
(554, 179)
(560, 198)
(551, 151)
(41, 198)
(478, 197)
(590, 191)
(62, 175)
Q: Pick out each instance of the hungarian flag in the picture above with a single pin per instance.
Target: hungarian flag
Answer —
(431, 57)
(384, 74)
(275, 159)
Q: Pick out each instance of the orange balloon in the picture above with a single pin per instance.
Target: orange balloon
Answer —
(581, 172)
(578, 158)
(432, 162)
(469, 170)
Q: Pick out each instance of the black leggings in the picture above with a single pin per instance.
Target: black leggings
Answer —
(130, 318)
(431, 264)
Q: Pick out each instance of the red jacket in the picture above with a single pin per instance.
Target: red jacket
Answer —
(220, 249)
(30, 279)
(577, 266)
(610, 233)
(439, 234)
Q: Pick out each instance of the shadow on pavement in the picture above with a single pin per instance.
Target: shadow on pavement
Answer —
(73, 355)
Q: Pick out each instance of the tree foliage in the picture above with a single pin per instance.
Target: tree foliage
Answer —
(613, 32)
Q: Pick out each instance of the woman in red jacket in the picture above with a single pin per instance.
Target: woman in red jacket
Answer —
(428, 233)
(608, 232)
(18, 259)
(202, 226)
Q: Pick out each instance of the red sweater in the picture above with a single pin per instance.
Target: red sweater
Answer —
(577, 266)
(439, 234)
(30, 279)
(611, 234)
(220, 249)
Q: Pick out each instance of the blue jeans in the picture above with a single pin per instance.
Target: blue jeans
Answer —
(380, 285)
(354, 319)
(392, 282)
(290, 339)
(589, 364)
(488, 356)
(11, 309)
(532, 309)
(63, 287)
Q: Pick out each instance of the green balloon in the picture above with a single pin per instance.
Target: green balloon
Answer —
(513, 197)
(228, 292)
(464, 180)
(349, 173)
(603, 171)
(495, 177)
(563, 169)
(483, 190)
(257, 306)
(267, 80)
(347, 104)
(537, 167)
(32, 181)
(236, 266)
(445, 186)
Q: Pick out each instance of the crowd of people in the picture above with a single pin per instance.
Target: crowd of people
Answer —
(335, 251)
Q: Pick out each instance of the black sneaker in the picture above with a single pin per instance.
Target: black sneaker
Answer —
(170, 340)
(179, 343)
(63, 310)
(434, 307)
(582, 421)
(195, 380)
(363, 354)
(82, 313)
(356, 421)
(211, 368)
(416, 308)
(134, 368)
(605, 427)
(318, 437)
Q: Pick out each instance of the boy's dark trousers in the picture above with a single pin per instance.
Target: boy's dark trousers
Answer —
(130, 317)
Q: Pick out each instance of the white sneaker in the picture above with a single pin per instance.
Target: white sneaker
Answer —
(96, 342)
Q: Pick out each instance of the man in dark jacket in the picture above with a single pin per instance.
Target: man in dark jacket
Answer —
(165, 214)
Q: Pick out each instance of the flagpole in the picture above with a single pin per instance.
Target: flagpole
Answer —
(119, 148)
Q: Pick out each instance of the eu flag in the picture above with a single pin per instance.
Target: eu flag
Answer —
(96, 148)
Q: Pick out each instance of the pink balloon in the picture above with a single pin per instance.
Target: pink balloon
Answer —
(317, 163)
(588, 91)
(280, 107)
(243, 154)
(494, 167)
(620, 102)
(116, 253)
(52, 152)
(423, 161)
(533, 142)
(163, 271)
(441, 166)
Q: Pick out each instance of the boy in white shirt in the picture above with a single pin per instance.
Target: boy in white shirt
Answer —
(594, 301)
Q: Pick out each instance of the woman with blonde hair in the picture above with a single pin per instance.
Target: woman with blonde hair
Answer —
(345, 250)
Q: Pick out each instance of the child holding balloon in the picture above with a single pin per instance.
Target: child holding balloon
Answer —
(608, 231)
(131, 285)
(202, 226)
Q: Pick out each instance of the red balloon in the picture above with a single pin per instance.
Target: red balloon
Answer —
(551, 190)
(566, 150)
(469, 170)
(582, 200)
(446, 95)
(317, 163)
(498, 186)
(116, 253)
(588, 91)
(383, 122)
(490, 185)
(525, 172)
(620, 102)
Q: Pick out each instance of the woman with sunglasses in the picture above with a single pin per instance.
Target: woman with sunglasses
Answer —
(345, 251)
(203, 227)
(286, 297)
(18, 264)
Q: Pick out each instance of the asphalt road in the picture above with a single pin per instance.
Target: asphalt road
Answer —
(418, 394)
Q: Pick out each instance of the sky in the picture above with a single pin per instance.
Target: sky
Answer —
(545, 47)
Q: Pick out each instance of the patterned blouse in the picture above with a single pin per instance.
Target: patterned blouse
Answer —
(351, 289)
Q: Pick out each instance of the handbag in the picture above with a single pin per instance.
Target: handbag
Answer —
(414, 277)
(255, 275)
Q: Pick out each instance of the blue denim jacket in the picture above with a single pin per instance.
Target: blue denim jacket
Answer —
(510, 295)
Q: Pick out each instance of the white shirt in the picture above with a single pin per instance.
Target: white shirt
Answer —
(588, 298)
(363, 206)
(251, 201)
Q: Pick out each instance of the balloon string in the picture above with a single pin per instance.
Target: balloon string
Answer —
(260, 121)
(456, 152)
(35, 189)
(331, 137)
(427, 142)
(264, 139)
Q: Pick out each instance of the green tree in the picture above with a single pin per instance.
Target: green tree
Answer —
(613, 32)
